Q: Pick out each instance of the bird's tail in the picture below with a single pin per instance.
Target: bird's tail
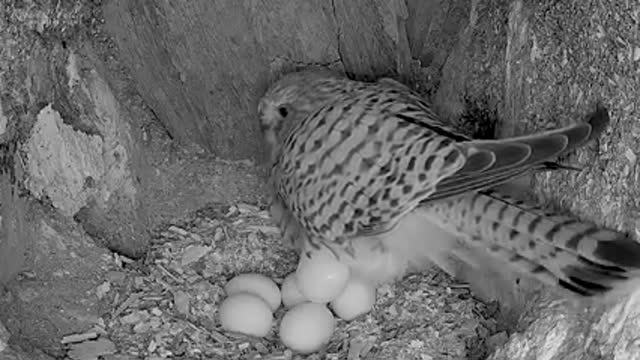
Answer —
(577, 257)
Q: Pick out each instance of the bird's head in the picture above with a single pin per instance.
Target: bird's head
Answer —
(291, 99)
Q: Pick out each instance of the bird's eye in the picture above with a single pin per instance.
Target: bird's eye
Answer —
(283, 111)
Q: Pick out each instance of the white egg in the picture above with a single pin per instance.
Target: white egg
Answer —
(307, 327)
(321, 277)
(357, 299)
(256, 284)
(247, 314)
(291, 296)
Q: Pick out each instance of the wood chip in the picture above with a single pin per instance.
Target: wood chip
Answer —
(78, 338)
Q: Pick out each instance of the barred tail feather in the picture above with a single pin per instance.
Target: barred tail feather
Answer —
(577, 257)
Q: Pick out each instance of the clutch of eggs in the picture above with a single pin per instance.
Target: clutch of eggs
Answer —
(308, 324)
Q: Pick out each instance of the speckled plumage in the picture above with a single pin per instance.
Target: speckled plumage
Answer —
(368, 170)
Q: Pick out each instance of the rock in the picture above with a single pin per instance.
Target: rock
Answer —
(516, 69)
(117, 229)
(76, 142)
(82, 154)
(63, 164)
(117, 215)
(74, 171)
(49, 268)
(67, 268)
(555, 330)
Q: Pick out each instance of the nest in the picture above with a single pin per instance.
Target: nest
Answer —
(166, 305)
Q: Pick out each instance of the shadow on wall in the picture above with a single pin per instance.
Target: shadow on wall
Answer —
(202, 65)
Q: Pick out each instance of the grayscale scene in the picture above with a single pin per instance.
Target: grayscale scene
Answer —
(319, 179)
